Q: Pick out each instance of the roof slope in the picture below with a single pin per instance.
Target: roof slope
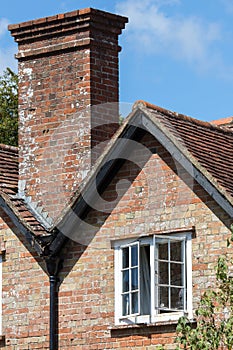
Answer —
(9, 190)
(8, 169)
(211, 145)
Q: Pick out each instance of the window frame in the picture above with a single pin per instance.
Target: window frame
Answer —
(130, 268)
(154, 315)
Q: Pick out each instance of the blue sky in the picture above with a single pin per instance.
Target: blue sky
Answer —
(177, 54)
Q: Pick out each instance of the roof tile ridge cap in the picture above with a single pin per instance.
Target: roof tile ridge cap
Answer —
(8, 147)
(209, 125)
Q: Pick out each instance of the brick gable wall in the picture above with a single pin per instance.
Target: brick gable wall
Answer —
(162, 198)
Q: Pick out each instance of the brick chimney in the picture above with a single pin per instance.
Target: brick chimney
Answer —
(67, 63)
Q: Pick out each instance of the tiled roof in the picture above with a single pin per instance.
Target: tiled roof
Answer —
(210, 145)
(8, 169)
(9, 188)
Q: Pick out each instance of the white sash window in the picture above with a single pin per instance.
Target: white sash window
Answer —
(130, 292)
(153, 279)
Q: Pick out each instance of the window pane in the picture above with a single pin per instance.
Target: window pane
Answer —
(134, 303)
(134, 278)
(163, 273)
(163, 297)
(163, 251)
(130, 280)
(177, 298)
(134, 255)
(125, 281)
(170, 274)
(125, 253)
(176, 251)
(125, 304)
(145, 280)
(176, 274)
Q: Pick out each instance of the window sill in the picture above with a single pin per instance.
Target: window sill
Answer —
(160, 327)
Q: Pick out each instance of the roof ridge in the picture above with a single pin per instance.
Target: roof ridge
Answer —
(182, 116)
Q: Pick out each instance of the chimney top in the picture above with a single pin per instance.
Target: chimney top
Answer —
(67, 23)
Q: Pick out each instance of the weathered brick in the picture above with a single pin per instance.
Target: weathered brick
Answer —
(55, 80)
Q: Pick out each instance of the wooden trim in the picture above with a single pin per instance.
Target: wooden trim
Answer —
(192, 229)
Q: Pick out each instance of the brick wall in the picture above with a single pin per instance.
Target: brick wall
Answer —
(158, 201)
(67, 63)
(162, 198)
(25, 292)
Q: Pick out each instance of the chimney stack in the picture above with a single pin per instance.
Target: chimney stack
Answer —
(67, 63)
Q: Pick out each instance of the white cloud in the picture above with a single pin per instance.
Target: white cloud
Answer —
(186, 38)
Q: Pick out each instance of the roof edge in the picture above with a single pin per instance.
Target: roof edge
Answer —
(190, 157)
(25, 229)
(184, 117)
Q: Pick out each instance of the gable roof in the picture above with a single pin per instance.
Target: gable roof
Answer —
(207, 144)
(203, 149)
(209, 148)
